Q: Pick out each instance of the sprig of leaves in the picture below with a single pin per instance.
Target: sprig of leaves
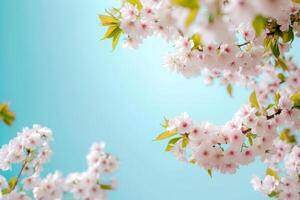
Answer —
(253, 100)
(113, 31)
(7, 116)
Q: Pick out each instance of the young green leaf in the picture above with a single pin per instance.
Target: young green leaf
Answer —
(280, 62)
(171, 143)
(271, 105)
(229, 89)
(7, 116)
(185, 141)
(111, 31)
(288, 36)
(12, 183)
(281, 77)
(296, 1)
(286, 136)
(253, 100)
(296, 99)
(275, 48)
(196, 40)
(273, 173)
(250, 139)
(273, 194)
(166, 135)
(116, 38)
(193, 161)
(209, 171)
(193, 13)
(166, 123)
(276, 99)
(5, 191)
(107, 20)
(191, 4)
(259, 24)
(106, 187)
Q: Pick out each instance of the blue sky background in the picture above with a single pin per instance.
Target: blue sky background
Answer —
(56, 71)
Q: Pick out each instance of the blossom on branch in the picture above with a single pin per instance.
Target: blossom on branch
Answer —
(237, 42)
(31, 150)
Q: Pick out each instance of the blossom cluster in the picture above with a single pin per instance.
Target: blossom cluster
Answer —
(269, 133)
(225, 39)
(286, 187)
(252, 132)
(244, 42)
(31, 150)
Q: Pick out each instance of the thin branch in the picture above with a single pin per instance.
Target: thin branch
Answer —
(22, 169)
(243, 44)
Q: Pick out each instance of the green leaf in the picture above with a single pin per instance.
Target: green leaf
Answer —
(267, 42)
(253, 100)
(250, 139)
(296, 1)
(166, 123)
(296, 99)
(273, 173)
(136, 3)
(276, 99)
(111, 31)
(116, 38)
(275, 48)
(166, 135)
(286, 136)
(271, 105)
(196, 40)
(171, 143)
(108, 20)
(288, 36)
(281, 77)
(193, 161)
(273, 194)
(106, 187)
(12, 183)
(5, 191)
(191, 4)
(7, 116)
(229, 89)
(191, 17)
(185, 141)
(209, 171)
(211, 18)
(280, 62)
(259, 24)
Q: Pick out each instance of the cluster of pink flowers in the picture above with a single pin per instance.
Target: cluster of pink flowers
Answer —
(237, 142)
(286, 187)
(242, 42)
(258, 129)
(222, 43)
(31, 150)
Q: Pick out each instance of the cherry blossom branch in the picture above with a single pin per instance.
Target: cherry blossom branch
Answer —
(31, 149)
(207, 47)
(21, 170)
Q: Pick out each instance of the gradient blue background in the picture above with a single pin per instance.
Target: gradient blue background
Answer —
(56, 71)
